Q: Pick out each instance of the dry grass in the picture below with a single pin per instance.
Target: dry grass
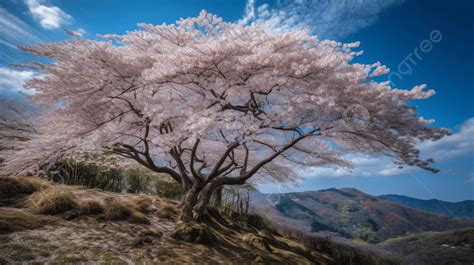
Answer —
(11, 189)
(138, 218)
(144, 204)
(12, 220)
(90, 207)
(51, 201)
(166, 211)
(193, 232)
(119, 209)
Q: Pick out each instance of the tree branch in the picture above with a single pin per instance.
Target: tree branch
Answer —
(196, 174)
(243, 177)
(215, 171)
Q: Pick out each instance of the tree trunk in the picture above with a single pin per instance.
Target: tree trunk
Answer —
(188, 203)
(203, 201)
(197, 199)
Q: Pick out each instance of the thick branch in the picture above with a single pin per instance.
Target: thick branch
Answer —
(196, 174)
(243, 177)
(215, 171)
(130, 152)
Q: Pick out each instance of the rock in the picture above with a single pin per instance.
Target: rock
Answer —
(193, 233)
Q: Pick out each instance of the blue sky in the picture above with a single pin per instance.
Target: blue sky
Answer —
(420, 41)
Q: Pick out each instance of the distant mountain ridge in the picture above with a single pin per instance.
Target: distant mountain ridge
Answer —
(350, 213)
(454, 209)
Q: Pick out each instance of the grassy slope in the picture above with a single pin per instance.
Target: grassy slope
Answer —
(449, 247)
(110, 235)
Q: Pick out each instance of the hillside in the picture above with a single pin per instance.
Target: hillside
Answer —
(454, 209)
(351, 213)
(42, 223)
(450, 247)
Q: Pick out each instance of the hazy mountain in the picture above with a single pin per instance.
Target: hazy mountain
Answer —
(351, 213)
(453, 209)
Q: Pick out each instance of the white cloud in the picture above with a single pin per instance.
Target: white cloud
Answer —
(364, 166)
(49, 16)
(327, 19)
(13, 80)
(455, 146)
(324, 172)
(449, 147)
(79, 32)
(249, 14)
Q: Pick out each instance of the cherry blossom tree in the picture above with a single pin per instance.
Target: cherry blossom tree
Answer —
(213, 103)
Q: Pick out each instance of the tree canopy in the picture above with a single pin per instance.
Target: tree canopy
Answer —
(213, 103)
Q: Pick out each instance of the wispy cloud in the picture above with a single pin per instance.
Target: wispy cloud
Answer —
(453, 146)
(79, 32)
(364, 166)
(12, 81)
(450, 148)
(14, 32)
(325, 18)
(49, 16)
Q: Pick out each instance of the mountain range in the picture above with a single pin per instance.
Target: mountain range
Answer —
(452, 209)
(351, 214)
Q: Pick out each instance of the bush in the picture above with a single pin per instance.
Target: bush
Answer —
(167, 188)
(52, 201)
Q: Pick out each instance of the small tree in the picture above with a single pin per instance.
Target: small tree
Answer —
(213, 103)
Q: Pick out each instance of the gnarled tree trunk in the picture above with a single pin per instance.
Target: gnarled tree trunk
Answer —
(196, 201)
